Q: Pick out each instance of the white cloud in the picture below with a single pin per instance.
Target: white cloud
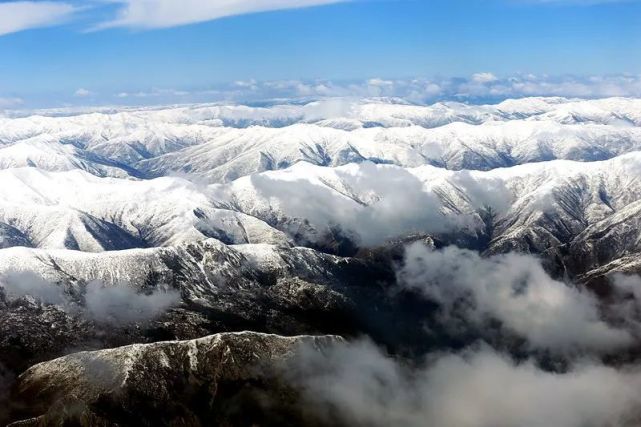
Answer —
(150, 14)
(391, 213)
(20, 284)
(119, 304)
(419, 90)
(515, 290)
(246, 83)
(81, 93)
(24, 15)
(380, 82)
(361, 386)
(122, 304)
(484, 78)
(10, 102)
(154, 93)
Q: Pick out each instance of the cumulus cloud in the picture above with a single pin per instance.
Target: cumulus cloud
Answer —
(122, 304)
(24, 15)
(484, 78)
(81, 93)
(150, 14)
(358, 385)
(515, 290)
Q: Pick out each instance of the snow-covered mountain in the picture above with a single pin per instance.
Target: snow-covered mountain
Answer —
(456, 146)
(76, 210)
(180, 378)
(53, 300)
(535, 207)
(222, 143)
(125, 226)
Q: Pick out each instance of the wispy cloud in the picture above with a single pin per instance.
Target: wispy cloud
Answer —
(151, 14)
(10, 102)
(18, 16)
(24, 15)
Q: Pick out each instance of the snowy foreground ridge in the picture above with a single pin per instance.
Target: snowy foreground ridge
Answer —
(502, 239)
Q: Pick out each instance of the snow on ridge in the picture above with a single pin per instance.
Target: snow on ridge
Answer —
(160, 177)
(219, 143)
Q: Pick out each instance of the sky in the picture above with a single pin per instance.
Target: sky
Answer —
(67, 52)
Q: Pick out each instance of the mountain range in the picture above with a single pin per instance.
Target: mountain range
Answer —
(135, 233)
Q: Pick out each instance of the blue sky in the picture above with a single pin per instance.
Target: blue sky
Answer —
(54, 52)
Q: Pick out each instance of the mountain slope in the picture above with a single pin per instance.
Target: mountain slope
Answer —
(535, 207)
(188, 382)
(51, 301)
(76, 210)
(491, 145)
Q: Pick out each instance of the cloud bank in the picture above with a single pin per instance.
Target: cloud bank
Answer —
(477, 88)
(515, 290)
(368, 220)
(358, 385)
(24, 15)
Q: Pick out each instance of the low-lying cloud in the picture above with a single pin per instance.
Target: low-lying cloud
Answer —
(356, 384)
(379, 203)
(122, 304)
(515, 290)
(19, 284)
(118, 304)
(374, 203)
